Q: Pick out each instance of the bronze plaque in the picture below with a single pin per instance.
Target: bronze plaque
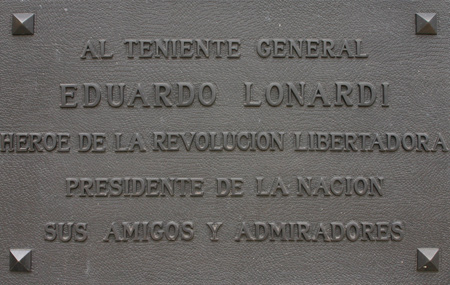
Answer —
(225, 142)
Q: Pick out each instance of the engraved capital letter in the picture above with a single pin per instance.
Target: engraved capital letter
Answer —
(103, 50)
(248, 96)
(214, 228)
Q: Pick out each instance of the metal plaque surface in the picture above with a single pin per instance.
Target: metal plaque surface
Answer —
(224, 142)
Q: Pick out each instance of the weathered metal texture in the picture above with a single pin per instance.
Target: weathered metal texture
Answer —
(41, 194)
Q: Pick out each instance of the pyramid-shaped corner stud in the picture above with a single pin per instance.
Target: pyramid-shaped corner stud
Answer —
(426, 24)
(23, 24)
(428, 259)
(20, 260)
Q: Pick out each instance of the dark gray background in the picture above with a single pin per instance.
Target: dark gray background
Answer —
(32, 185)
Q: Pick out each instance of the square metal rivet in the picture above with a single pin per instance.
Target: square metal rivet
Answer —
(428, 259)
(20, 260)
(23, 24)
(426, 24)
